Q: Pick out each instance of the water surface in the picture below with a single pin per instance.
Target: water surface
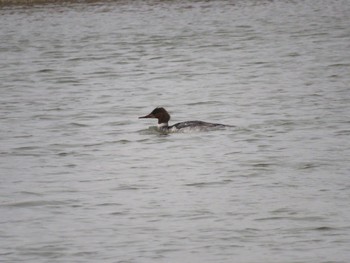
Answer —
(83, 180)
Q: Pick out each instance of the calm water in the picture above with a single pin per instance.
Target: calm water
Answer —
(83, 180)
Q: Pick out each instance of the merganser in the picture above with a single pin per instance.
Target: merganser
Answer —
(163, 118)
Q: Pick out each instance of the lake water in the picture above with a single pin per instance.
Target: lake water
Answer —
(84, 180)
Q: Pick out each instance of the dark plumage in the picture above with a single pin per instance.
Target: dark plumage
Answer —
(163, 119)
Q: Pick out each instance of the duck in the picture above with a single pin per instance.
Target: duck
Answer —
(163, 117)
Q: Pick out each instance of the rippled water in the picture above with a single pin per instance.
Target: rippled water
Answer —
(83, 180)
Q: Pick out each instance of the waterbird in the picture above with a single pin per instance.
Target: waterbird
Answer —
(163, 123)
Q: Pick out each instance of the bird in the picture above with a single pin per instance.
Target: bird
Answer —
(163, 123)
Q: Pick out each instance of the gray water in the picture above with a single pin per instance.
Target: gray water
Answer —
(84, 180)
